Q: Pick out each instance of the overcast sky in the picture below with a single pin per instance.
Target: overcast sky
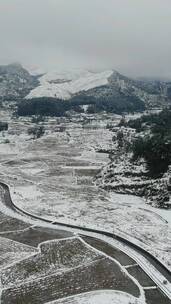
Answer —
(131, 36)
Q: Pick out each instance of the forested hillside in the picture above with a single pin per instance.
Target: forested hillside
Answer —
(154, 141)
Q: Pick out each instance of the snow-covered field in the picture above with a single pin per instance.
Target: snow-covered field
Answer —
(12, 252)
(67, 267)
(53, 178)
(63, 85)
(54, 257)
(100, 297)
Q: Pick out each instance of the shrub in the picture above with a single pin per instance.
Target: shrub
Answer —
(3, 126)
(37, 131)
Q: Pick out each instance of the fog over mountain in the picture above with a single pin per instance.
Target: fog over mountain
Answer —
(126, 35)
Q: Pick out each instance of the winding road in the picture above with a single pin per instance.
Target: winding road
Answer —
(158, 273)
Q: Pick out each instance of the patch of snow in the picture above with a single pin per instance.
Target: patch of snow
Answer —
(100, 297)
(165, 214)
(64, 85)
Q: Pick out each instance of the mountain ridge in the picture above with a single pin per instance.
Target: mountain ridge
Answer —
(16, 83)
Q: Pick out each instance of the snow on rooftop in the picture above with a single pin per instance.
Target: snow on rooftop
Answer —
(63, 85)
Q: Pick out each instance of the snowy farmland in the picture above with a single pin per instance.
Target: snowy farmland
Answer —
(53, 177)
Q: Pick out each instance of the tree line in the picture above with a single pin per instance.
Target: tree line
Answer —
(57, 107)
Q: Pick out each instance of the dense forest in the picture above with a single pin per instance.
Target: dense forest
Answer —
(154, 141)
(42, 106)
(48, 106)
(56, 107)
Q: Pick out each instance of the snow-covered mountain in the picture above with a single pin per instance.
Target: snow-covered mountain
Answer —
(120, 86)
(66, 84)
(107, 84)
(15, 81)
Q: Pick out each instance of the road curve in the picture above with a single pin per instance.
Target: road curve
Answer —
(128, 247)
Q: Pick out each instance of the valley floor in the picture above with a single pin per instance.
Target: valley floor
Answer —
(52, 177)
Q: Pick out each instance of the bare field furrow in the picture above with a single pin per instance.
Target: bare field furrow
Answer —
(100, 275)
